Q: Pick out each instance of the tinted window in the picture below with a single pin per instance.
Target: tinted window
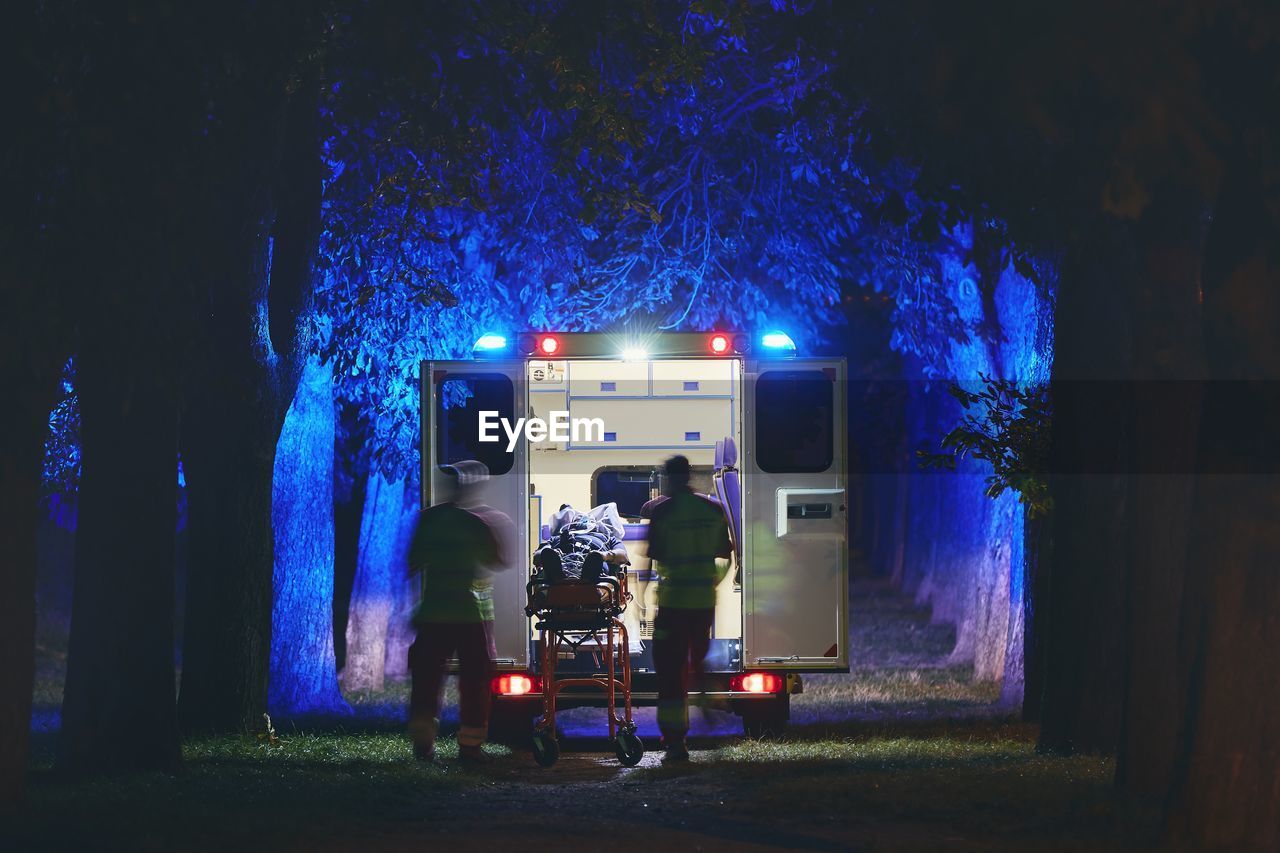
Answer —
(631, 486)
(794, 421)
(460, 398)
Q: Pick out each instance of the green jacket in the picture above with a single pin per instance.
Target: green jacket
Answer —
(452, 548)
(686, 535)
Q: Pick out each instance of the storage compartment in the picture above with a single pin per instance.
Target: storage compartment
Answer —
(658, 423)
(708, 377)
(608, 378)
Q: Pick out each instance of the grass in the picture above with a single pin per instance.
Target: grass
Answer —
(984, 780)
(910, 753)
(980, 782)
(932, 690)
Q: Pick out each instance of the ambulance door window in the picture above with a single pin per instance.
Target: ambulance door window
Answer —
(630, 487)
(459, 401)
(795, 421)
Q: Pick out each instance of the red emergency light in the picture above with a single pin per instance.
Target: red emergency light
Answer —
(757, 682)
(719, 344)
(516, 684)
(548, 344)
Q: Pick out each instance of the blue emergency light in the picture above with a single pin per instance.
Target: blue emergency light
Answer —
(489, 344)
(778, 341)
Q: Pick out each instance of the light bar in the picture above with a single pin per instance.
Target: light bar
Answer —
(777, 340)
(556, 345)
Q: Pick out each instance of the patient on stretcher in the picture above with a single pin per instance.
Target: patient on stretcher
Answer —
(582, 545)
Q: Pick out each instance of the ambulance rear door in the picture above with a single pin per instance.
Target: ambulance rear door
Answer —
(454, 393)
(795, 515)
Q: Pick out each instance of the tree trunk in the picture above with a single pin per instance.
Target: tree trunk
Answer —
(304, 678)
(401, 633)
(379, 574)
(118, 709)
(34, 328)
(1013, 680)
(1083, 619)
(1227, 782)
(228, 451)
(1038, 572)
(21, 449)
(1165, 406)
(251, 338)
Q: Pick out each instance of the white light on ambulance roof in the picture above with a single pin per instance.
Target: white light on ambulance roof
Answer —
(777, 340)
(490, 342)
(634, 354)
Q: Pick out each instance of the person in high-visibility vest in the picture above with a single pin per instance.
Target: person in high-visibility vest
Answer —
(687, 532)
(455, 544)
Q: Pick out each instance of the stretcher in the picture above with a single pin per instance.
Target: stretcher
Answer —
(569, 614)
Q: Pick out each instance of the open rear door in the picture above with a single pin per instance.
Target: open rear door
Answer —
(795, 515)
(453, 394)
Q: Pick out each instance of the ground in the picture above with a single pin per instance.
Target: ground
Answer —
(905, 752)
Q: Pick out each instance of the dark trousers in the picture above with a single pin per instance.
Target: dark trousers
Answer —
(680, 642)
(428, 657)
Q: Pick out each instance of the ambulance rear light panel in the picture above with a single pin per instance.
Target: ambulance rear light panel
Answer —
(516, 684)
(603, 345)
(757, 682)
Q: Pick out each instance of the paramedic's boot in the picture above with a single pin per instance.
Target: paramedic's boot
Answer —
(472, 755)
(423, 732)
(676, 751)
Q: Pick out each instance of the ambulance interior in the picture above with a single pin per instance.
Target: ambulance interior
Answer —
(651, 410)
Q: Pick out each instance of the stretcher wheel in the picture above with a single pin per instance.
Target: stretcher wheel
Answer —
(629, 748)
(546, 749)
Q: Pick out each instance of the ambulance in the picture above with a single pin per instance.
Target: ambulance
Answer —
(587, 419)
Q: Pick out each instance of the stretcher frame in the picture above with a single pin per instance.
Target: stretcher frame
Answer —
(569, 613)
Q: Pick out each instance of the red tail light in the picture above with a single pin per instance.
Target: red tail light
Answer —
(719, 344)
(516, 684)
(548, 345)
(757, 682)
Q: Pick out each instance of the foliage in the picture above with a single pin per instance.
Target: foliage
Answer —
(489, 168)
(61, 477)
(1008, 426)
(675, 175)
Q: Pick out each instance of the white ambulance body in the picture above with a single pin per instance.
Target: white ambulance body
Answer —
(765, 434)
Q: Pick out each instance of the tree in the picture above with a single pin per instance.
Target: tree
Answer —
(1112, 128)
(259, 197)
(1226, 771)
(128, 118)
(35, 333)
(303, 676)
(118, 712)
